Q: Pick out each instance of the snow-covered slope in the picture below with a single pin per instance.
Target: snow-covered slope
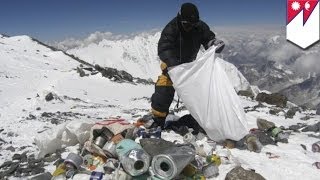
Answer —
(29, 71)
(136, 55)
(27, 68)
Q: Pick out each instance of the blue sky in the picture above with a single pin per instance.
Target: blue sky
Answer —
(50, 20)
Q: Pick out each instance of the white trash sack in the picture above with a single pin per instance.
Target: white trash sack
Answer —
(208, 94)
(63, 135)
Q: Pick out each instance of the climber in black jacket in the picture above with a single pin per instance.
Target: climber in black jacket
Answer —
(179, 43)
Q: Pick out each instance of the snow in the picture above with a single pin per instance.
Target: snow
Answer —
(137, 55)
(26, 72)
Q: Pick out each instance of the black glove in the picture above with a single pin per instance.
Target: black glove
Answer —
(218, 43)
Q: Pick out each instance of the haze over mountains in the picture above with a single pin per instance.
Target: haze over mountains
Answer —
(262, 55)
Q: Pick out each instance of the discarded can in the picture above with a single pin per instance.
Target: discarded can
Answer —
(173, 160)
(107, 133)
(214, 159)
(316, 147)
(135, 161)
(100, 141)
(96, 175)
(316, 164)
(210, 171)
(110, 149)
(73, 161)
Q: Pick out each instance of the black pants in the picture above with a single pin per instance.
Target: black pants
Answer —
(163, 95)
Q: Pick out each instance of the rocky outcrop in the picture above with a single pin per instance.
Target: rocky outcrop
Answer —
(246, 93)
(292, 112)
(273, 99)
(238, 173)
(49, 97)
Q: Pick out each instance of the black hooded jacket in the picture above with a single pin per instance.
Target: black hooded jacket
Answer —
(177, 46)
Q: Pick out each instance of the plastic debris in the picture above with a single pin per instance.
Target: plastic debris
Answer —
(210, 171)
(91, 162)
(96, 175)
(214, 159)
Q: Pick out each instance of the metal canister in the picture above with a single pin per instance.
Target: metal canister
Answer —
(316, 147)
(135, 161)
(107, 133)
(110, 149)
(173, 160)
(73, 161)
(100, 141)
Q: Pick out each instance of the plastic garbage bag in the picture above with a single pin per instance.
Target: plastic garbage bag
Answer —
(208, 94)
(67, 134)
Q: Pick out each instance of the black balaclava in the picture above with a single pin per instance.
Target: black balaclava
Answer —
(189, 12)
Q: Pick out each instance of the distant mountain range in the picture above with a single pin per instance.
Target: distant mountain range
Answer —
(264, 57)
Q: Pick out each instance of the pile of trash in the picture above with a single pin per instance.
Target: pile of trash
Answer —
(119, 149)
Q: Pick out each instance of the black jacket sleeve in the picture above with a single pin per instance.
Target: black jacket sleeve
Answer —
(207, 35)
(166, 45)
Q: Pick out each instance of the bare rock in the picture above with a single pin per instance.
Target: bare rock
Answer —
(238, 173)
(246, 93)
(49, 97)
(273, 99)
(292, 112)
(318, 109)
